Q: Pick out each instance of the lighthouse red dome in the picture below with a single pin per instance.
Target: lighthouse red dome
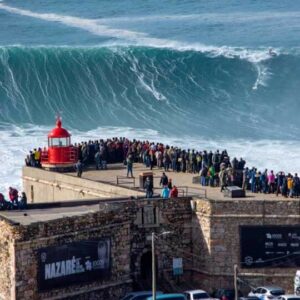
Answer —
(58, 131)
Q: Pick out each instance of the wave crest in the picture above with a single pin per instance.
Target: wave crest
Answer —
(177, 91)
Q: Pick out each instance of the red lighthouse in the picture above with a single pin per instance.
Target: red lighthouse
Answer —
(60, 154)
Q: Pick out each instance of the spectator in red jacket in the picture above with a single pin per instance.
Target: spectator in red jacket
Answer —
(174, 192)
(13, 195)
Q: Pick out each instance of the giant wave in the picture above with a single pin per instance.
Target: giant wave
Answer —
(213, 93)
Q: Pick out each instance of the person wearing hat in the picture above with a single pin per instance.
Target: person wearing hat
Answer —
(148, 186)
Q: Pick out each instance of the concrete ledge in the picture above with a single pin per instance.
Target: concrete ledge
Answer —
(46, 186)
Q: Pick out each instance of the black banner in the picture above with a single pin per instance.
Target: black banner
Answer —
(270, 246)
(73, 263)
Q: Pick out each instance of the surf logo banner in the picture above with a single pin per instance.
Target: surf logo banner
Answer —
(270, 246)
(74, 263)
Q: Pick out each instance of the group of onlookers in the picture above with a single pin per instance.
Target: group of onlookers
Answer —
(151, 154)
(215, 168)
(168, 189)
(33, 158)
(269, 182)
(15, 201)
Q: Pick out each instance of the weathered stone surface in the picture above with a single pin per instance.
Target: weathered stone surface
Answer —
(220, 231)
(128, 243)
(205, 235)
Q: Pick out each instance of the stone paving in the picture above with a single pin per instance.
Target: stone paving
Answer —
(182, 180)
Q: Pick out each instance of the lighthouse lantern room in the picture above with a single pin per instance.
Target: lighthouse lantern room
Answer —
(60, 153)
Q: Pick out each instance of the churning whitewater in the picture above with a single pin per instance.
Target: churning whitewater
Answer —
(193, 75)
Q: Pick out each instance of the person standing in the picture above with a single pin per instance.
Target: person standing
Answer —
(212, 174)
(79, 168)
(97, 160)
(37, 157)
(246, 178)
(129, 161)
(290, 185)
(271, 182)
(253, 180)
(280, 177)
(2, 202)
(164, 179)
(223, 179)
(151, 156)
(13, 196)
(296, 184)
(165, 192)
(166, 160)
(170, 185)
(23, 201)
(203, 175)
(148, 186)
(284, 189)
(174, 192)
(263, 181)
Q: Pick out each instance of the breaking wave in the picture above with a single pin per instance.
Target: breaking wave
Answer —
(215, 91)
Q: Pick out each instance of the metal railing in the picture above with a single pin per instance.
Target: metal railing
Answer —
(193, 191)
(44, 156)
(184, 191)
(68, 154)
(124, 180)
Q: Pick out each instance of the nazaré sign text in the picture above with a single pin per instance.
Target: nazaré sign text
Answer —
(73, 263)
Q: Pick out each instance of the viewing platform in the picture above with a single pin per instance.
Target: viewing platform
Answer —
(116, 175)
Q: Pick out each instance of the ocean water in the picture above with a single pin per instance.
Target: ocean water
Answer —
(196, 74)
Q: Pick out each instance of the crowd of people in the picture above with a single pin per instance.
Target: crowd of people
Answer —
(214, 168)
(268, 182)
(33, 159)
(15, 201)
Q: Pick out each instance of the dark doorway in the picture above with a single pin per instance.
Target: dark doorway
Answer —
(146, 266)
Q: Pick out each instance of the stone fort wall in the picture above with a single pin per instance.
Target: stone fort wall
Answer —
(217, 230)
(20, 279)
(129, 226)
(205, 234)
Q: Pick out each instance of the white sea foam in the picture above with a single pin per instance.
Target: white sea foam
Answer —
(17, 141)
(233, 17)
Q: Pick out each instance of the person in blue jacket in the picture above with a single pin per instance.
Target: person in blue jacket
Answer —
(165, 192)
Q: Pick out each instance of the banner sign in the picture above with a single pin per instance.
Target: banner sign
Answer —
(177, 266)
(270, 246)
(73, 263)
